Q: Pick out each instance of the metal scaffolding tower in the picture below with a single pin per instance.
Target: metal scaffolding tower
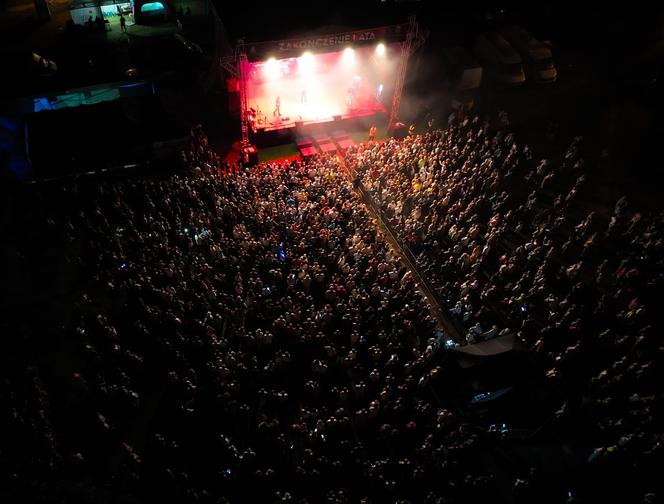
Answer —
(236, 65)
(414, 40)
(244, 109)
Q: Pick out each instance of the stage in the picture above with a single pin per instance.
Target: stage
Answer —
(314, 89)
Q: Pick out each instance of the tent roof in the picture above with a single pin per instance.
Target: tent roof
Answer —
(494, 346)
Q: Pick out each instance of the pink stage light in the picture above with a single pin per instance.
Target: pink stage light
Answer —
(348, 56)
(306, 64)
(272, 69)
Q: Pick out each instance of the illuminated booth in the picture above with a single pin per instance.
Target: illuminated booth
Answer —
(84, 11)
(143, 11)
(150, 11)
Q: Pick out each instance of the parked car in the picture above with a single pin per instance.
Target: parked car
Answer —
(44, 66)
(499, 58)
(536, 55)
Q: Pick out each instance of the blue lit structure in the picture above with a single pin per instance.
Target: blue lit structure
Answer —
(82, 10)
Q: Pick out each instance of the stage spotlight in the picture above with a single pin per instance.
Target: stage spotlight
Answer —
(349, 55)
(306, 64)
(272, 69)
(380, 49)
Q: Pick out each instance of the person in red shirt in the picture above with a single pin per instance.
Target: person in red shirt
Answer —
(372, 133)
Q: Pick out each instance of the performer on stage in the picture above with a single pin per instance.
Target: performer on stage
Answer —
(277, 107)
(303, 97)
(372, 133)
(350, 98)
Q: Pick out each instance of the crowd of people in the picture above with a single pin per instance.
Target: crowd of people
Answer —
(512, 247)
(248, 335)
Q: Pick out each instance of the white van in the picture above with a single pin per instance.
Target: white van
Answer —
(499, 58)
(537, 57)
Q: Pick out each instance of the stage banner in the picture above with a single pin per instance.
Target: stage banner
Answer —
(284, 48)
